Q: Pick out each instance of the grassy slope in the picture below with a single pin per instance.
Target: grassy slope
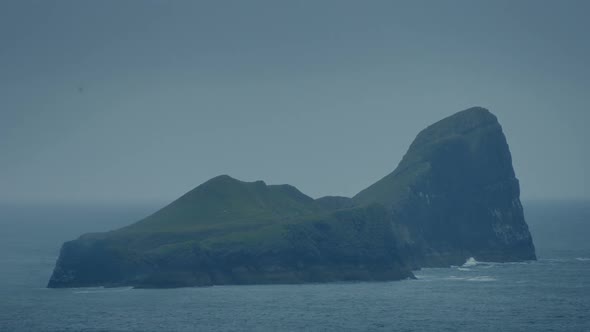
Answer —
(224, 200)
(222, 212)
(416, 163)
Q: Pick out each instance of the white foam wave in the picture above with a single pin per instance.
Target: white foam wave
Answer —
(478, 278)
(481, 279)
(463, 269)
(470, 262)
(583, 259)
(518, 263)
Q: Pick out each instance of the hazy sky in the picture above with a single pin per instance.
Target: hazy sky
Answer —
(144, 100)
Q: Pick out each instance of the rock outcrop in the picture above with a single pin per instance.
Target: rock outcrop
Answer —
(453, 196)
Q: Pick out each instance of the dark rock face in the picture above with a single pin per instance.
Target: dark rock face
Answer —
(354, 244)
(453, 196)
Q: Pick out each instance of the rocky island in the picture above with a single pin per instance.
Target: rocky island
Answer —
(453, 196)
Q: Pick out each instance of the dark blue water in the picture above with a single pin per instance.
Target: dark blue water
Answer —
(552, 294)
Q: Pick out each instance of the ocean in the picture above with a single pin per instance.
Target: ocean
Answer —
(551, 294)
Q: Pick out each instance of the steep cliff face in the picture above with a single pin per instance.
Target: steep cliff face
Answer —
(454, 195)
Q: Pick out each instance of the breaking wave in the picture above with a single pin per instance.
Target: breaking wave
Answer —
(470, 262)
(478, 278)
(481, 278)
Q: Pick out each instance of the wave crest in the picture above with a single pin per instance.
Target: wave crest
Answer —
(470, 262)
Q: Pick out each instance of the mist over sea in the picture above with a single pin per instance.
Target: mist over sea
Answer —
(551, 294)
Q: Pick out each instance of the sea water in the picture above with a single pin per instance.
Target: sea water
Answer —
(551, 294)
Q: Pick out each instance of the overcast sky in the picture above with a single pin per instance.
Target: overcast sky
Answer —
(144, 100)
